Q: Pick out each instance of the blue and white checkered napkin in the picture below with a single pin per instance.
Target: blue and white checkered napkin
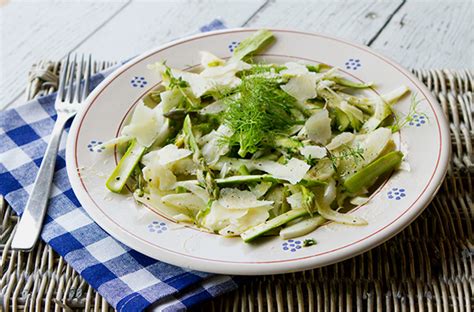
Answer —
(127, 279)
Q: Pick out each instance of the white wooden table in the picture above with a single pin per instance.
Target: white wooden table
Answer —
(416, 33)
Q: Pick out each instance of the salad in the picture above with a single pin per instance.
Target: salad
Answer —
(247, 148)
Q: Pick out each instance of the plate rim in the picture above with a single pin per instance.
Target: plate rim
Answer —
(395, 226)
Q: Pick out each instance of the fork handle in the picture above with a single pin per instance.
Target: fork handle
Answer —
(31, 221)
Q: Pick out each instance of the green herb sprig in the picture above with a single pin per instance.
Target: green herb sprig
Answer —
(402, 120)
(180, 85)
(260, 112)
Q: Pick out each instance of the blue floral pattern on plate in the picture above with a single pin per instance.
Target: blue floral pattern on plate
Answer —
(157, 227)
(396, 193)
(291, 245)
(417, 120)
(95, 146)
(138, 82)
(353, 64)
(233, 45)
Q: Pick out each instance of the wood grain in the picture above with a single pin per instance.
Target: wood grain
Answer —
(358, 21)
(144, 25)
(31, 32)
(413, 32)
(431, 34)
(56, 29)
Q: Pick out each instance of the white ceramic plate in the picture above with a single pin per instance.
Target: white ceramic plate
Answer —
(399, 201)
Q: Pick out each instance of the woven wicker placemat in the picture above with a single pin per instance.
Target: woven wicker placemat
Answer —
(427, 267)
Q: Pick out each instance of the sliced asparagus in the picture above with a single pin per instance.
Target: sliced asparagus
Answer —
(261, 229)
(312, 183)
(351, 84)
(253, 43)
(190, 140)
(302, 228)
(367, 176)
(125, 167)
(254, 179)
(204, 174)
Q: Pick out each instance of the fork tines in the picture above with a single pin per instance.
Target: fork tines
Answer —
(77, 76)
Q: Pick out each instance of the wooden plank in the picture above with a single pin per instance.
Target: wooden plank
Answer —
(137, 27)
(144, 25)
(33, 31)
(358, 21)
(434, 34)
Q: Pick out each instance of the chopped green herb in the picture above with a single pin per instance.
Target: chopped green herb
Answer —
(181, 86)
(356, 154)
(314, 68)
(413, 113)
(309, 242)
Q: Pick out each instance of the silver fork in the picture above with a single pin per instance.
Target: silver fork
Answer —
(67, 104)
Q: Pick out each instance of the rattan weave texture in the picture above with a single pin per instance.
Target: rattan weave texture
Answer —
(427, 267)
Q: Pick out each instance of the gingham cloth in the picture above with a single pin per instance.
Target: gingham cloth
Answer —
(127, 279)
